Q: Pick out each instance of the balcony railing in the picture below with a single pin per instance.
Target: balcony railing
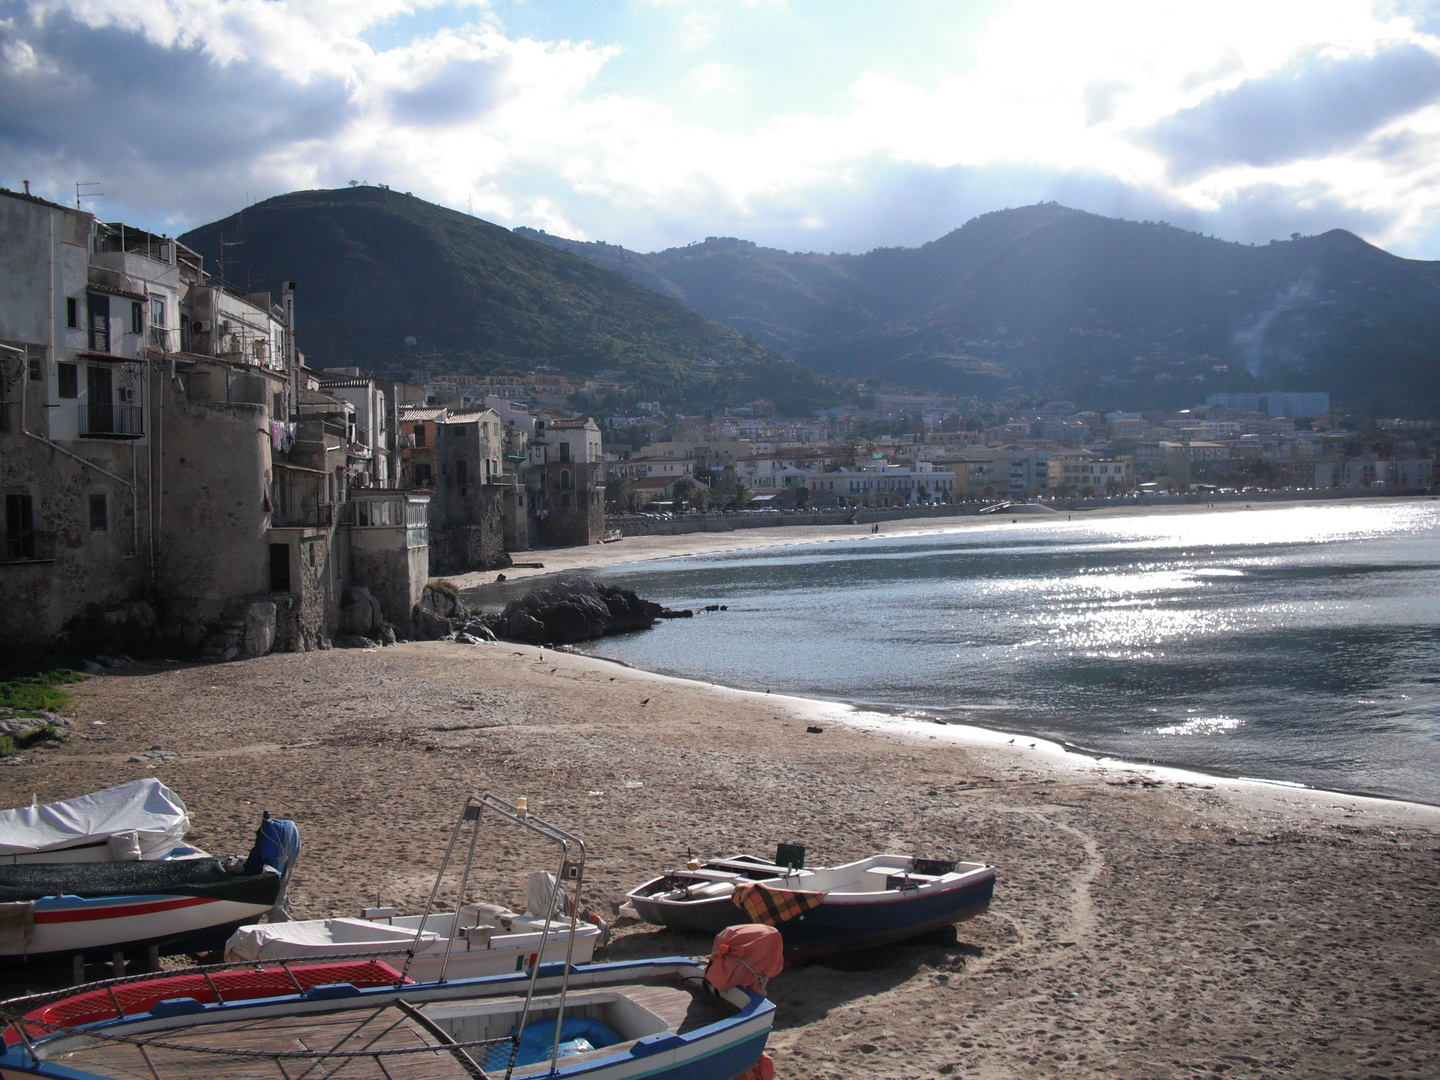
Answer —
(304, 516)
(112, 421)
(160, 338)
(28, 545)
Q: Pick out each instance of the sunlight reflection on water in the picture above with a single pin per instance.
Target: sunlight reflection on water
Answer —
(1289, 624)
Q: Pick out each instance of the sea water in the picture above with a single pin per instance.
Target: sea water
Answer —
(1296, 643)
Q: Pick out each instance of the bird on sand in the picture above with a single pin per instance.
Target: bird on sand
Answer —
(645, 702)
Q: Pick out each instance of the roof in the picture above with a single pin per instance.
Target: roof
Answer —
(569, 425)
(340, 383)
(410, 413)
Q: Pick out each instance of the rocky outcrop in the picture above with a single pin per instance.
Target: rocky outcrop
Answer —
(360, 614)
(573, 611)
(440, 616)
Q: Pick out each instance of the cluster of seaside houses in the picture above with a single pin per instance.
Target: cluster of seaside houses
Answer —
(171, 468)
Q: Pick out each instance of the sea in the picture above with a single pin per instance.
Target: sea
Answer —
(1294, 643)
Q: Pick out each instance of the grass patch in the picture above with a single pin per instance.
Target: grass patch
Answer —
(13, 744)
(35, 682)
(446, 586)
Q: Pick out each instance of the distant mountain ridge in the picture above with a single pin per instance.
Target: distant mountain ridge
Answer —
(408, 288)
(1061, 303)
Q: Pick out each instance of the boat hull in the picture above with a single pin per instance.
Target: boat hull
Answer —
(723, 1050)
(70, 925)
(839, 923)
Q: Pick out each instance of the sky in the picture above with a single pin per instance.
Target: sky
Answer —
(812, 125)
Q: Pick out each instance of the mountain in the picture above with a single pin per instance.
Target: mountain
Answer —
(1046, 301)
(409, 289)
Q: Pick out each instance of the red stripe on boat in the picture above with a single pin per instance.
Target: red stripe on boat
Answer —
(118, 911)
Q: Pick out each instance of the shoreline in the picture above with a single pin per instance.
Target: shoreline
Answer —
(1057, 755)
(659, 549)
(1143, 925)
(629, 550)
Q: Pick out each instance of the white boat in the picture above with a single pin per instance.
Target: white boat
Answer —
(140, 821)
(481, 939)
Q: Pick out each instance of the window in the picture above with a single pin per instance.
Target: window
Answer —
(72, 312)
(423, 476)
(37, 371)
(419, 434)
(565, 480)
(99, 514)
(137, 317)
(564, 451)
(461, 473)
(19, 528)
(98, 310)
(69, 380)
(157, 312)
(279, 568)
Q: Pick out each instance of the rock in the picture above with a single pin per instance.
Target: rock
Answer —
(92, 668)
(353, 641)
(259, 636)
(463, 638)
(574, 611)
(387, 635)
(430, 626)
(479, 629)
(229, 654)
(442, 603)
(359, 611)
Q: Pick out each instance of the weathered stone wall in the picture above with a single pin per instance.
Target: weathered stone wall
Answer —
(214, 542)
(574, 513)
(473, 537)
(394, 573)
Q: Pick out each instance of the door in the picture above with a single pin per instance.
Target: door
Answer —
(99, 396)
(279, 568)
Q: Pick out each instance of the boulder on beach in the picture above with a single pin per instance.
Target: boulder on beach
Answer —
(573, 611)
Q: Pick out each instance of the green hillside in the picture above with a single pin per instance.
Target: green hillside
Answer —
(405, 288)
(1053, 302)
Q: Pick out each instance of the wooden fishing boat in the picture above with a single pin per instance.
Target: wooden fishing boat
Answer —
(657, 1019)
(78, 908)
(651, 1018)
(875, 901)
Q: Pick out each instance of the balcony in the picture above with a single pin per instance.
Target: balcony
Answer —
(157, 337)
(28, 546)
(303, 516)
(112, 421)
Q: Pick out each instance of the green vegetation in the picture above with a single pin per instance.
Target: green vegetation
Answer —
(1048, 303)
(408, 289)
(32, 683)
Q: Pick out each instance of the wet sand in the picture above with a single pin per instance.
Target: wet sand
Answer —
(1146, 924)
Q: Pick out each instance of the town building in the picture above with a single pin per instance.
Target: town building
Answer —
(161, 478)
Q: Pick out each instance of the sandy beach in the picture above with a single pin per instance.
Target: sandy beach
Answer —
(1146, 924)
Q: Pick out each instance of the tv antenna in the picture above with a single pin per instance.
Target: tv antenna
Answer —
(223, 245)
(86, 194)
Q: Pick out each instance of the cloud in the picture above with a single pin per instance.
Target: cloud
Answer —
(1311, 108)
(1250, 121)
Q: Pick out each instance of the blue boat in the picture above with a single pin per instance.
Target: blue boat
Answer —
(648, 1018)
(819, 911)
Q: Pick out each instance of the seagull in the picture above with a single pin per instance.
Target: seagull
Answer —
(1032, 746)
(1012, 742)
(645, 702)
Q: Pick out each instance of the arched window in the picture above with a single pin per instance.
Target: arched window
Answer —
(564, 479)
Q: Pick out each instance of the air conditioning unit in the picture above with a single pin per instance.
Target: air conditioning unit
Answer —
(200, 326)
(125, 393)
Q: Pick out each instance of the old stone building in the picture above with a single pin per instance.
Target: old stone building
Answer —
(567, 489)
(161, 480)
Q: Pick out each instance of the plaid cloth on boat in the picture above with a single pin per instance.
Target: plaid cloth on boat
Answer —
(773, 906)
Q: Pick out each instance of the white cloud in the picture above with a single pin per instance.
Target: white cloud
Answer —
(1063, 100)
